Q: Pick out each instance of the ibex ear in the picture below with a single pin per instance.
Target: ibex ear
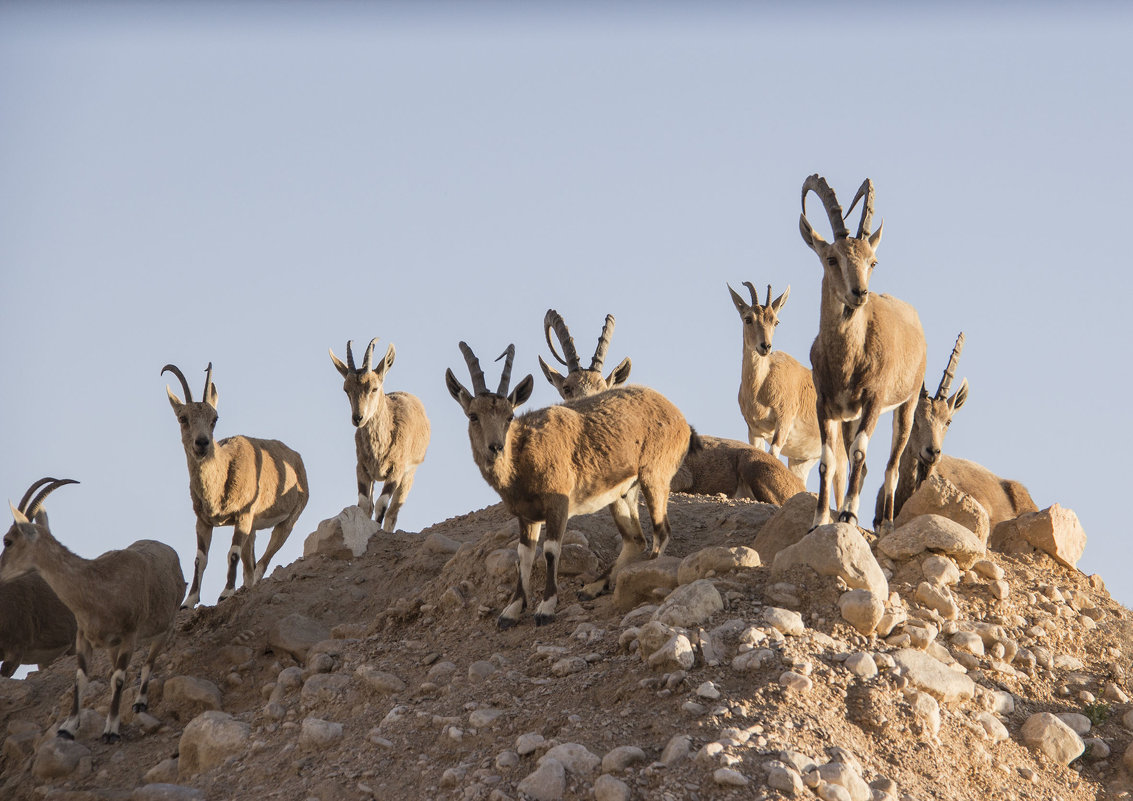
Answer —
(780, 301)
(41, 519)
(212, 396)
(875, 237)
(924, 391)
(174, 401)
(741, 305)
(553, 375)
(338, 365)
(17, 515)
(386, 362)
(810, 236)
(619, 375)
(458, 392)
(957, 400)
(522, 392)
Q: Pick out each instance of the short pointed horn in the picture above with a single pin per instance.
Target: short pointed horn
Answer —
(864, 191)
(505, 376)
(817, 184)
(474, 370)
(23, 505)
(56, 483)
(350, 357)
(181, 376)
(368, 359)
(208, 382)
(768, 303)
(603, 343)
(950, 370)
(552, 319)
(754, 295)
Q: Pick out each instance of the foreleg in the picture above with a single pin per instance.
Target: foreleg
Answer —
(528, 540)
(204, 540)
(828, 430)
(552, 549)
(857, 454)
(70, 726)
(626, 518)
(902, 428)
(365, 491)
(397, 497)
(241, 547)
(117, 683)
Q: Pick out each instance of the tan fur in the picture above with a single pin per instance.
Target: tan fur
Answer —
(552, 463)
(35, 626)
(243, 482)
(391, 438)
(1002, 498)
(737, 470)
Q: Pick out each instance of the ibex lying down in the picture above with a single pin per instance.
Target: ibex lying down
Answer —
(391, 437)
(1003, 499)
(120, 600)
(579, 383)
(553, 463)
(246, 483)
(868, 357)
(777, 396)
(737, 470)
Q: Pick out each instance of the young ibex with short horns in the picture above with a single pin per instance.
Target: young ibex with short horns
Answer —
(737, 470)
(1003, 499)
(550, 464)
(777, 396)
(120, 600)
(35, 626)
(249, 484)
(392, 434)
(580, 383)
(869, 355)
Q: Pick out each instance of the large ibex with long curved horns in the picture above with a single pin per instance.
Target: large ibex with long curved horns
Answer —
(579, 383)
(575, 458)
(249, 484)
(392, 434)
(869, 355)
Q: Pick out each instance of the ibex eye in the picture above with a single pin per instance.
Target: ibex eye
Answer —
(474, 418)
(833, 262)
(7, 542)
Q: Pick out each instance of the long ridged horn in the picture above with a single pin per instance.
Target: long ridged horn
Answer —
(350, 357)
(505, 376)
(603, 344)
(474, 370)
(184, 384)
(56, 483)
(817, 184)
(754, 295)
(552, 319)
(864, 191)
(368, 359)
(208, 382)
(23, 504)
(950, 370)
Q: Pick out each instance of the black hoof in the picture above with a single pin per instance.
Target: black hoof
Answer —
(505, 623)
(64, 734)
(543, 620)
(848, 517)
(140, 707)
(111, 737)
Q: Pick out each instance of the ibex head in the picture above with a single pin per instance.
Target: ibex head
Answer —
(30, 521)
(363, 385)
(197, 419)
(934, 413)
(848, 260)
(580, 383)
(759, 321)
(489, 413)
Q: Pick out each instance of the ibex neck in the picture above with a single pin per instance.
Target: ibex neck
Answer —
(754, 368)
(848, 326)
(59, 567)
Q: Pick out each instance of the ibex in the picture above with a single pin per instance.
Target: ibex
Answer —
(869, 355)
(120, 600)
(391, 437)
(249, 484)
(737, 470)
(579, 383)
(1003, 499)
(777, 396)
(550, 464)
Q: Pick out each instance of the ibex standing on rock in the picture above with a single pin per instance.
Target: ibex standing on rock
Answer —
(579, 383)
(392, 434)
(869, 355)
(572, 459)
(777, 397)
(249, 484)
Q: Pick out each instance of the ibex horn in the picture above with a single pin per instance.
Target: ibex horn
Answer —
(603, 344)
(768, 303)
(866, 191)
(367, 360)
(56, 483)
(184, 384)
(208, 382)
(505, 376)
(754, 296)
(27, 495)
(474, 370)
(552, 319)
(950, 370)
(817, 184)
(350, 357)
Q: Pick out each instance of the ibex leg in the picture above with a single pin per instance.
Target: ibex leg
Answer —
(399, 494)
(121, 661)
(141, 701)
(626, 518)
(902, 428)
(552, 550)
(70, 726)
(365, 490)
(528, 540)
(279, 535)
(240, 534)
(857, 453)
(204, 540)
(828, 429)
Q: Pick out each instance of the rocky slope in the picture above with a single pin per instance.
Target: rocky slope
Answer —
(751, 661)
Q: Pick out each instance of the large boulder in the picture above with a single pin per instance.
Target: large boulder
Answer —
(344, 536)
(690, 604)
(836, 549)
(1046, 733)
(1055, 530)
(295, 635)
(939, 496)
(645, 582)
(210, 739)
(57, 758)
(716, 560)
(185, 697)
(933, 533)
(786, 527)
(927, 673)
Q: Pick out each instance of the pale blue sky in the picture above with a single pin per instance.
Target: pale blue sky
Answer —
(250, 184)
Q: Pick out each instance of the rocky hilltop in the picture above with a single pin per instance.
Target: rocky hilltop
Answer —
(753, 660)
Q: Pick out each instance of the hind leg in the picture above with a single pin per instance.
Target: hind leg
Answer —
(400, 493)
(902, 428)
(656, 492)
(626, 518)
(117, 682)
(141, 702)
(70, 726)
(279, 535)
(240, 534)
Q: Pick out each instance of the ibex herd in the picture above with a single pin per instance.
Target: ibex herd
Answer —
(607, 445)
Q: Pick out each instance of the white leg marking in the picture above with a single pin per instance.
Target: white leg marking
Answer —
(858, 451)
(547, 607)
(512, 610)
(552, 548)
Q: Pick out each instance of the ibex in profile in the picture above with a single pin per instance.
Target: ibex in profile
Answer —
(737, 470)
(869, 355)
(391, 437)
(1003, 499)
(120, 600)
(249, 484)
(553, 463)
(579, 383)
(777, 396)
